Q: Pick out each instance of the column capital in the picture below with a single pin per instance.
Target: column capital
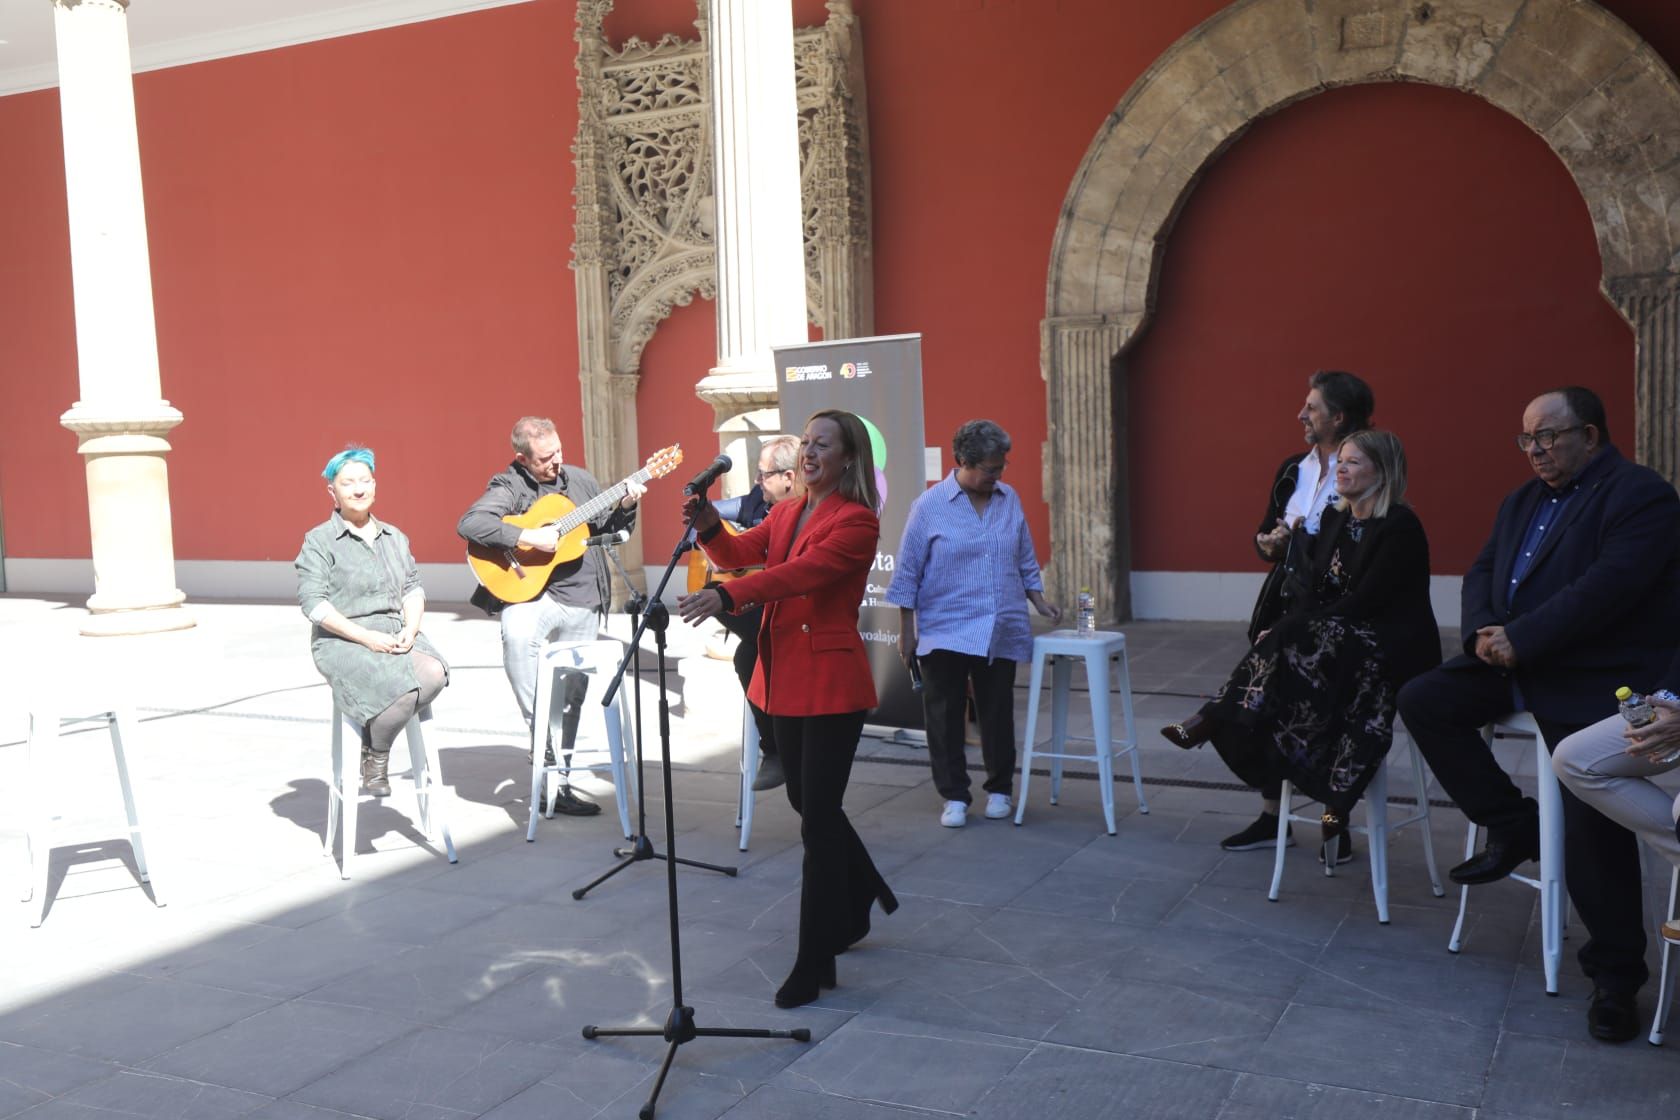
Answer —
(92, 419)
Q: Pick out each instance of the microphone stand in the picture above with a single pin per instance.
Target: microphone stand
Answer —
(641, 848)
(679, 1024)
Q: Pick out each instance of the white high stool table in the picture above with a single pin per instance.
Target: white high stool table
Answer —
(1377, 829)
(1098, 651)
(1665, 982)
(600, 659)
(1550, 882)
(345, 782)
(749, 773)
(44, 727)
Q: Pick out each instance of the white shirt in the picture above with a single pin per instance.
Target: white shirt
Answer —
(1313, 492)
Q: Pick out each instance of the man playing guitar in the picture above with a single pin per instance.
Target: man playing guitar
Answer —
(572, 603)
(778, 459)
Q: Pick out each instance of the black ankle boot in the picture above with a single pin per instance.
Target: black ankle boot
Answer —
(375, 772)
(860, 916)
(805, 983)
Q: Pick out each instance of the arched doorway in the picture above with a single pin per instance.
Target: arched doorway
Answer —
(1605, 103)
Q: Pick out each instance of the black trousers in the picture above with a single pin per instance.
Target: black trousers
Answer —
(1444, 710)
(945, 678)
(839, 880)
(745, 627)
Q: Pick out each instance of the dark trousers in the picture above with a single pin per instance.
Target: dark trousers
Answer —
(1444, 710)
(839, 880)
(945, 678)
(745, 627)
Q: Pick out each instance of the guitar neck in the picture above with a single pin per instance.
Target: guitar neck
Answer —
(600, 504)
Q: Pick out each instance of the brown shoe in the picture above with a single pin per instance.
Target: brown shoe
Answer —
(375, 772)
(1190, 734)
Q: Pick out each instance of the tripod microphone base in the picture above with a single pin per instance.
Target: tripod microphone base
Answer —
(641, 849)
(679, 1028)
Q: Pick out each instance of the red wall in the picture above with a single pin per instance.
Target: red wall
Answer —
(367, 238)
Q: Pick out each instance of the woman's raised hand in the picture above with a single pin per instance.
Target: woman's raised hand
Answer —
(701, 605)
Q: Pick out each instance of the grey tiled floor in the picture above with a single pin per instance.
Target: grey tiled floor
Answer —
(1049, 969)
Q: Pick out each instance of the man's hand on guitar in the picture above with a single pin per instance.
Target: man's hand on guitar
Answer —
(539, 540)
(700, 513)
(636, 490)
(700, 606)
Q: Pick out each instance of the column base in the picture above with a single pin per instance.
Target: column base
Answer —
(127, 621)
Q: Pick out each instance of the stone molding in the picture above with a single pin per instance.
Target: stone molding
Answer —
(120, 5)
(644, 237)
(1602, 99)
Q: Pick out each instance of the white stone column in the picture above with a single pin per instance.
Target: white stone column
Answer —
(121, 418)
(759, 231)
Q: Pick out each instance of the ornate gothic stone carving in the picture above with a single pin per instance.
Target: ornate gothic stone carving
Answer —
(1605, 102)
(644, 201)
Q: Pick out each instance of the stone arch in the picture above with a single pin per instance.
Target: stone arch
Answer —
(1602, 99)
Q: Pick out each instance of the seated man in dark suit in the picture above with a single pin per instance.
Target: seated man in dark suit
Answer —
(1576, 592)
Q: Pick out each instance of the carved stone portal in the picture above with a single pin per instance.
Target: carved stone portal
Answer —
(1604, 100)
(644, 203)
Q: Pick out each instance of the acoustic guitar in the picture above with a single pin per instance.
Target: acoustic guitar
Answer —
(701, 571)
(518, 575)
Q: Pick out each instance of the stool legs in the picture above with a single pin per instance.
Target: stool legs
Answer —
(1096, 676)
(117, 720)
(1033, 691)
(1285, 793)
(1376, 836)
(1061, 675)
(428, 788)
(749, 774)
(1552, 898)
(1665, 981)
(1131, 730)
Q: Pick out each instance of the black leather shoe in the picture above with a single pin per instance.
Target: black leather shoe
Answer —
(573, 804)
(1193, 732)
(1612, 1016)
(1503, 855)
(769, 773)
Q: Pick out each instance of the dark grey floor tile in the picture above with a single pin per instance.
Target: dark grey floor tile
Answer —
(1036, 940)
(128, 1019)
(1383, 1052)
(281, 1049)
(408, 915)
(997, 999)
(423, 984)
(158, 1097)
(294, 962)
(1299, 922)
(545, 932)
(1059, 1081)
(773, 1102)
(907, 1065)
(294, 1110)
(1081, 894)
(1458, 989)
(29, 1075)
(1274, 1098)
(1141, 1017)
(1218, 962)
(448, 1070)
(552, 1004)
(1550, 1078)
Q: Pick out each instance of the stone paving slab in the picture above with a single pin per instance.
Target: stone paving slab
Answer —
(1048, 968)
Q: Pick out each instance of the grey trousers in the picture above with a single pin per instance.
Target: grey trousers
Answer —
(1594, 763)
(526, 628)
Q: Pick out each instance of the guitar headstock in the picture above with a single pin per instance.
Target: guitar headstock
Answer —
(664, 461)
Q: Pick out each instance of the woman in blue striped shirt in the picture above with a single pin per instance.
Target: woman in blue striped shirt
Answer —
(964, 575)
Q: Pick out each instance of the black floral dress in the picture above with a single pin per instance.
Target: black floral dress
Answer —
(1312, 702)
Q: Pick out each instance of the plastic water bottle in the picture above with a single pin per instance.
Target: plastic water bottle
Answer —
(1634, 707)
(1085, 623)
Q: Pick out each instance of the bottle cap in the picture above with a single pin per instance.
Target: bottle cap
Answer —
(1623, 692)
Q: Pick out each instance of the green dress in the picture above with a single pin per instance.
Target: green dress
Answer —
(365, 581)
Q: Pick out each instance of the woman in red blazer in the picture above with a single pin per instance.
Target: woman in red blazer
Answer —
(813, 675)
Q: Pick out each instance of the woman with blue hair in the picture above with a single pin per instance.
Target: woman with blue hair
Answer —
(360, 587)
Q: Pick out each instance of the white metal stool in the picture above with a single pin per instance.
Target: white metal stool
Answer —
(44, 726)
(1377, 829)
(344, 785)
(600, 659)
(1665, 983)
(749, 773)
(1550, 882)
(1098, 651)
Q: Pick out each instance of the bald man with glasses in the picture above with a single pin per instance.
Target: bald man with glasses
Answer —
(1576, 593)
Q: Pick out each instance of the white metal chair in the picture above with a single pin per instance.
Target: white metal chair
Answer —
(1377, 829)
(1665, 982)
(1098, 651)
(599, 659)
(749, 773)
(344, 785)
(44, 727)
(1553, 901)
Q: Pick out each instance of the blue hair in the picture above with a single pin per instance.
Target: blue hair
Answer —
(352, 454)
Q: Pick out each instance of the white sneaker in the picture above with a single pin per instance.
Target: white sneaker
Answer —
(998, 806)
(955, 814)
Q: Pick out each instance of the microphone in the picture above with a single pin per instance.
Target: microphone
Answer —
(607, 540)
(698, 484)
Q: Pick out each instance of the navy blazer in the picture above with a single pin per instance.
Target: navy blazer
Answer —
(1599, 606)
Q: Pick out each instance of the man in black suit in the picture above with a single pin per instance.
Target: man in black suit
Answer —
(1576, 592)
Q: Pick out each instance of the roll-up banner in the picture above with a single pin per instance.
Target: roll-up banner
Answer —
(879, 379)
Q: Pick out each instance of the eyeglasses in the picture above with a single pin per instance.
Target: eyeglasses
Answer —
(1545, 437)
(762, 475)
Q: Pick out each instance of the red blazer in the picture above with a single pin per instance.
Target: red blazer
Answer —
(811, 660)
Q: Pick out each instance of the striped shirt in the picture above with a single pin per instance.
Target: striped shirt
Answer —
(967, 574)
